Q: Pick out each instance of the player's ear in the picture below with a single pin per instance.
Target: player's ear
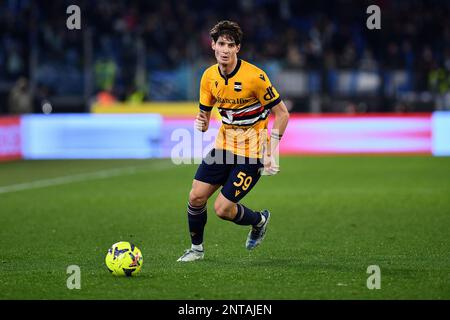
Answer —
(213, 45)
(238, 47)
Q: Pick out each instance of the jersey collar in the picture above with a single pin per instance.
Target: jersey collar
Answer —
(236, 69)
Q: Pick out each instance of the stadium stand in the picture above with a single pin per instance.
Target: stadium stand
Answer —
(320, 54)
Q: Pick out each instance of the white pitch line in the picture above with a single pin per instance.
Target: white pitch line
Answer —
(104, 174)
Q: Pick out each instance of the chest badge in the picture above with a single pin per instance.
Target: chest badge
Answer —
(229, 114)
(238, 86)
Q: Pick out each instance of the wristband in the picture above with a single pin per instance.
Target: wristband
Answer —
(276, 136)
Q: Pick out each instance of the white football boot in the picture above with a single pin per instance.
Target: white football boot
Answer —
(191, 255)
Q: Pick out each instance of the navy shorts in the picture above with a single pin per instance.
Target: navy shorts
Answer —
(237, 174)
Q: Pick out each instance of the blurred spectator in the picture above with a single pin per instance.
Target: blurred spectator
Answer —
(135, 95)
(14, 64)
(105, 73)
(351, 108)
(348, 57)
(105, 98)
(393, 59)
(439, 82)
(403, 107)
(20, 100)
(41, 96)
(368, 62)
(295, 58)
(425, 64)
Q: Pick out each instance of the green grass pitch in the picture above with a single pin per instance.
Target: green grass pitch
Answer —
(332, 217)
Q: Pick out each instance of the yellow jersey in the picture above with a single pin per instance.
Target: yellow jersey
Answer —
(244, 99)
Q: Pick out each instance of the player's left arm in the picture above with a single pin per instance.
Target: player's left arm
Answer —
(270, 98)
(271, 161)
(281, 114)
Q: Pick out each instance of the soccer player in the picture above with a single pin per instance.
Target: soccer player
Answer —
(243, 150)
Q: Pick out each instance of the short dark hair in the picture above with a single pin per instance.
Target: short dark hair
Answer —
(228, 29)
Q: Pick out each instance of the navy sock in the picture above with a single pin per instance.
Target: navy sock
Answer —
(197, 220)
(246, 216)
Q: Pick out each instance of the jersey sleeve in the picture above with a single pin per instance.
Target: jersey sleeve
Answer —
(267, 95)
(206, 101)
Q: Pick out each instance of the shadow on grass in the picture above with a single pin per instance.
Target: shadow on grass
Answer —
(279, 264)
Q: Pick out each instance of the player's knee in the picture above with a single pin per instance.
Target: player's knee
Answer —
(222, 210)
(196, 199)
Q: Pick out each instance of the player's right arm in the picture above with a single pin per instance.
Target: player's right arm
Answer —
(206, 103)
(202, 120)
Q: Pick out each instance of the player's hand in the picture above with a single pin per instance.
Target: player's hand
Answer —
(271, 166)
(271, 159)
(201, 122)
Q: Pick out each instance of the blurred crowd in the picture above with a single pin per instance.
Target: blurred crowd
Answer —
(164, 35)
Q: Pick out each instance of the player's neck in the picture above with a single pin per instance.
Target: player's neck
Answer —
(228, 68)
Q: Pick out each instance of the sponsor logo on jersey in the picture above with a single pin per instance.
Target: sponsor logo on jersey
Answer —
(269, 94)
(233, 101)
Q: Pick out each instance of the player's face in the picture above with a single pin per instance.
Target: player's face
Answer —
(225, 50)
